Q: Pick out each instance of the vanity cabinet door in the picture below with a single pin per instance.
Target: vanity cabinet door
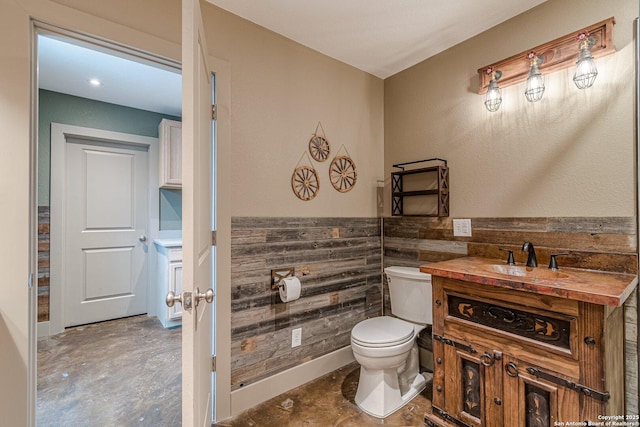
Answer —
(472, 392)
(530, 401)
(170, 136)
(175, 285)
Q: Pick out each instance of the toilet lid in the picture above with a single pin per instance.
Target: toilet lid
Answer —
(382, 331)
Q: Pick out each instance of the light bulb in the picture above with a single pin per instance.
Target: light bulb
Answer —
(586, 70)
(535, 83)
(494, 95)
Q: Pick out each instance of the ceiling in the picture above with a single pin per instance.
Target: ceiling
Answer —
(68, 68)
(381, 37)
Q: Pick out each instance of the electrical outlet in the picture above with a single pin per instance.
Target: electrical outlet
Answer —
(296, 337)
(462, 227)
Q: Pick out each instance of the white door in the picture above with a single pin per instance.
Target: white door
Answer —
(105, 233)
(196, 218)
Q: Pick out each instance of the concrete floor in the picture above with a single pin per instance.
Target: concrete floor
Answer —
(127, 372)
(329, 401)
(124, 372)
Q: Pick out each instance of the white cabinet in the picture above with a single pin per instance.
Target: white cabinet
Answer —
(169, 279)
(170, 133)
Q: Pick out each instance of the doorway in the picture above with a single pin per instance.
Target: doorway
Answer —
(114, 148)
(100, 197)
(68, 96)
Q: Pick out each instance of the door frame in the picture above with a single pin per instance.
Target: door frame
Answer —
(59, 134)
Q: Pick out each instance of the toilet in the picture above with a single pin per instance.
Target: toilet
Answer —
(386, 347)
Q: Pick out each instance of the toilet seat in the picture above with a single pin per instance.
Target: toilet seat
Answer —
(384, 331)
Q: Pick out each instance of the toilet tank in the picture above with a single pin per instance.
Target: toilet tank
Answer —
(410, 293)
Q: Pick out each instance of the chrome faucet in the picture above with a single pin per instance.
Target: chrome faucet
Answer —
(531, 260)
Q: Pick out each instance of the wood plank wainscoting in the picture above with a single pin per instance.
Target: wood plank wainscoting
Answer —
(607, 244)
(338, 262)
(43, 263)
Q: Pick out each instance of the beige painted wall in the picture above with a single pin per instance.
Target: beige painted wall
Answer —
(17, 311)
(280, 91)
(571, 154)
(14, 208)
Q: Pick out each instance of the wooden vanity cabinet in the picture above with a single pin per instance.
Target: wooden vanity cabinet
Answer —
(504, 357)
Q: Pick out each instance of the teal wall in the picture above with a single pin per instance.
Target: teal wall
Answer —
(71, 110)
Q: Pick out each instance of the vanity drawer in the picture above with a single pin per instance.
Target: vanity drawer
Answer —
(533, 328)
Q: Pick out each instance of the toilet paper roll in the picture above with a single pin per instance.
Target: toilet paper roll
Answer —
(290, 289)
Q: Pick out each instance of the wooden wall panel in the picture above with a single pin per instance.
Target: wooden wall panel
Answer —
(43, 263)
(342, 286)
(606, 244)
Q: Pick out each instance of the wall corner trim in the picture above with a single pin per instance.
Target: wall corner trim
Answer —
(279, 383)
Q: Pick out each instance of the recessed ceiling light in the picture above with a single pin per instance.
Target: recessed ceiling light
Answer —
(95, 82)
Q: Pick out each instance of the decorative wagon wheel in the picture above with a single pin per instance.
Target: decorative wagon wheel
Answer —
(319, 148)
(304, 182)
(342, 173)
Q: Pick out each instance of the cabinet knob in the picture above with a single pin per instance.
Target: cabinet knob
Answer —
(439, 361)
(438, 303)
(497, 401)
(486, 359)
(512, 369)
(590, 340)
(439, 388)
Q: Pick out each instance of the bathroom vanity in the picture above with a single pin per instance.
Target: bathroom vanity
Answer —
(521, 346)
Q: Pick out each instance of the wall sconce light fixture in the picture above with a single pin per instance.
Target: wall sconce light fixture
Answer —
(594, 41)
(535, 83)
(494, 95)
(586, 71)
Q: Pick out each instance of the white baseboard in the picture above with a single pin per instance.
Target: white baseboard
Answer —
(263, 390)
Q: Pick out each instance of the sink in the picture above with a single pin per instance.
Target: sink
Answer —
(524, 272)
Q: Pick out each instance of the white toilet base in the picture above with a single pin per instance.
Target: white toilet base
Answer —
(379, 392)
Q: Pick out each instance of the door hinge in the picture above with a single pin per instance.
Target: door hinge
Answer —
(30, 281)
(214, 112)
(213, 364)
(457, 345)
(598, 395)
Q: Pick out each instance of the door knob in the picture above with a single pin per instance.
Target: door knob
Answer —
(207, 296)
(172, 298)
(184, 299)
(142, 238)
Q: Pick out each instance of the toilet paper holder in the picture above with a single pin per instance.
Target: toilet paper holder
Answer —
(277, 275)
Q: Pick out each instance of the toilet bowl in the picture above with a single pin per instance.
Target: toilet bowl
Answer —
(386, 348)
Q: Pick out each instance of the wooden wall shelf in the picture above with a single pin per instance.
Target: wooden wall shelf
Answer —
(398, 193)
(558, 54)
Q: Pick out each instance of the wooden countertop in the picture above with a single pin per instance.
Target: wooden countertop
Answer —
(581, 285)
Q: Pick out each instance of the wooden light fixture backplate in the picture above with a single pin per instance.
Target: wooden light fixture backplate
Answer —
(558, 54)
